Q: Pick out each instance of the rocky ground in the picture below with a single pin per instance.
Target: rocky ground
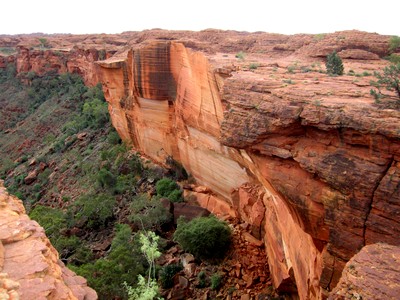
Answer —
(244, 272)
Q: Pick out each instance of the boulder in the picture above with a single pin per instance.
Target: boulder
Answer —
(188, 211)
(31, 177)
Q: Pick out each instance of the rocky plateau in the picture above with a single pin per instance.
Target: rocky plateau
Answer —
(307, 159)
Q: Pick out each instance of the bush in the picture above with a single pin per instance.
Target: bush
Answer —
(390, 80)
(123, 264)
(167, 274)
(113, 137)
(148, 213)
(105, 178)
(96, 112)
(334, 64)
(394, 43)
(170, 189)
(216, 281)
(95, 210)
(51, 219)
(240, 55)
(201, 277)
(254, 66)
(204, 237)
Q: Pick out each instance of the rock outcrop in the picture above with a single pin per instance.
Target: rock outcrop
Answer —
(29, 265)
(307, 159)
(373, 273)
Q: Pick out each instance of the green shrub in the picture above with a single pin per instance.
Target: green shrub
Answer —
(113, 137)
(96, 112)
(170, 189)
(167, 274)
(216, 281)
(123, 264)
(393, 58)
(51, 219)
(105, 178)
(175, 196)
(73, 250)
(201, 277)
(6, 164)
(394, 43)
(240, 55)
(95, 210)
(390, 80)
(148, 213)
(124, 183)
(254, 66)
(334, 64)
(204, 237)
(291, 69)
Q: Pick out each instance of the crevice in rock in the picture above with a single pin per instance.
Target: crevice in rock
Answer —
(328, 286)
(389, 165)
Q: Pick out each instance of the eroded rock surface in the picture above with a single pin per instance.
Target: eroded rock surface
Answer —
(373, 273)
(29, 265)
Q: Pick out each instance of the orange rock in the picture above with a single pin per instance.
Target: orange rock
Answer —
(42, 274)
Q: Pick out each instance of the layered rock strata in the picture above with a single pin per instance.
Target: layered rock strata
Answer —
(29, 265)
(310, 166)
(308, 160)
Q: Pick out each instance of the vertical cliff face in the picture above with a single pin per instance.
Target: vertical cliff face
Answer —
(29, 265)
(165, 100)
(316, 182)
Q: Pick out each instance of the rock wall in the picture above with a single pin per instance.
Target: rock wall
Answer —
(29, 265)
(313, 179)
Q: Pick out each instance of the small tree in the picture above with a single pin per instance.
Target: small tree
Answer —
(394, 43)
(146, 290)
(334, 64)
(390, 80)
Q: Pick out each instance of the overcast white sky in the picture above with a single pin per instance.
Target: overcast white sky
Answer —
(278, 16)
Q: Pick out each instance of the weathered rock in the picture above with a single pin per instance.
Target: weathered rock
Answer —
(252, 240)
(31, 177)
(188, 211)
(373, 273)
(33, 268)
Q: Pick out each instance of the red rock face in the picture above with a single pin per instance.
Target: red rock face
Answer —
(308, 160)
(77, 61)
(29, 265)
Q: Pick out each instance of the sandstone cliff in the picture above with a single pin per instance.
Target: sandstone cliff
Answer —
(308, 160)
(29, 265)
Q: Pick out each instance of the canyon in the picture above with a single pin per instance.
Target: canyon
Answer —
(307, 159)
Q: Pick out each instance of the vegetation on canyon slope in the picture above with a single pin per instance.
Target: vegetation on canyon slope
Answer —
(61, 156)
